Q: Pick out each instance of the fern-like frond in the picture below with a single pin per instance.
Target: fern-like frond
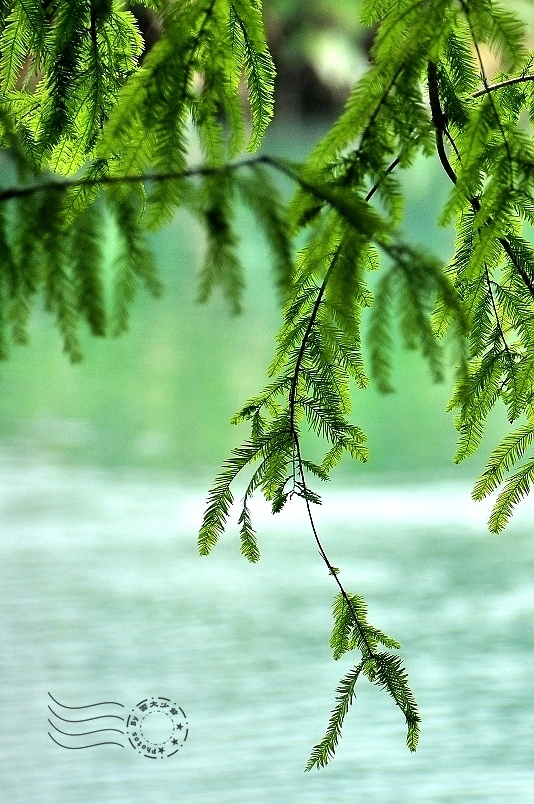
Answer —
(222, 266)
(263, 198)
(57, 277)
(342, 638)
(502, 29)
(379, 334)
(23, 35)
(220, 497)
(324, 751)
(134, 262)
(510, 450)
(86, 259)
(249, 543)
(391, 676)
(351, 630)
(251, 51)
(516, 488)
(484, 386)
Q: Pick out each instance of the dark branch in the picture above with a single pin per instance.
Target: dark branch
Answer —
(440, 123)
(439, 120)
(331, 569)
(493, 87)
(69, 184)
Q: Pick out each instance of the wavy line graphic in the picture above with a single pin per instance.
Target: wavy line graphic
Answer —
(80, 747)
(78, 721)
(86, 719)
(82, 733)
(88, 706)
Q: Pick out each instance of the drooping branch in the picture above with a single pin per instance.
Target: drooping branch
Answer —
(292, 404)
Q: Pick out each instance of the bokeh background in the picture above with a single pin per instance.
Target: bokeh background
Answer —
(104, 469)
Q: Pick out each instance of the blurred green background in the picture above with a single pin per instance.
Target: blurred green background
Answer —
(162, 395)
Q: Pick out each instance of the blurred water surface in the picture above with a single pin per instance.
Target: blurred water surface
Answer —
(103, 473)
(105, 598)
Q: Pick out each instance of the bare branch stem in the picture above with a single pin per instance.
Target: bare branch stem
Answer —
(494, 87)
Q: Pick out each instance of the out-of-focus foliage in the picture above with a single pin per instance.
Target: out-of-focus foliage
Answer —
(319, 49)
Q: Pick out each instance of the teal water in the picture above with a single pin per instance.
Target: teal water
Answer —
(103, 473)
(104, 598)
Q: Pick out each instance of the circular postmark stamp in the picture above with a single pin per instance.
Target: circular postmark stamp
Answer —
(157, 727)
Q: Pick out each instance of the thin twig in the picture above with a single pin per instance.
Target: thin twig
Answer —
(486, 87)
(288, 170)
(493, 87)
(496, 314)
(69, 184)
(331, 569)
(304, 342)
